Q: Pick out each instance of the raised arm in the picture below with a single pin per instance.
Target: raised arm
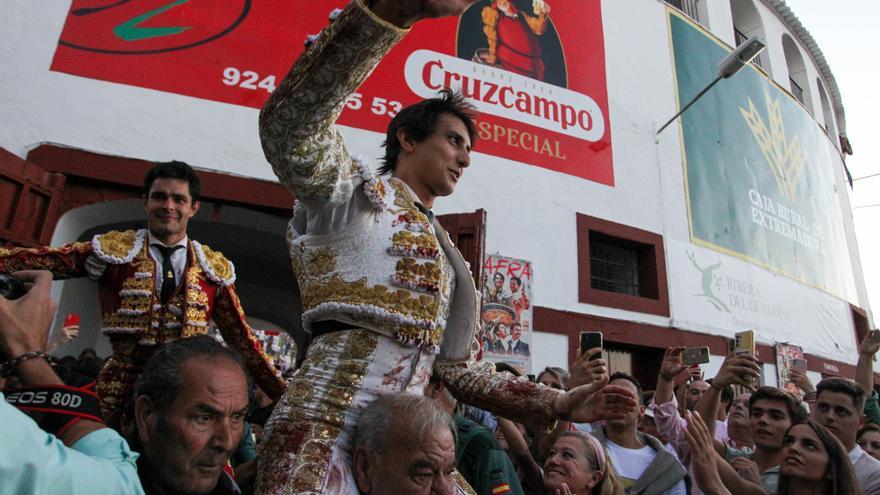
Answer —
(299, 140)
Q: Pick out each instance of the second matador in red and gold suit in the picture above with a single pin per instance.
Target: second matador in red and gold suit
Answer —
(148, 297)
(385, 295)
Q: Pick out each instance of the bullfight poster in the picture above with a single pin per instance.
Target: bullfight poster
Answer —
(785, 356)
(506, 316)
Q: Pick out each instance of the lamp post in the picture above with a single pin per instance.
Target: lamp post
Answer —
(730, 65)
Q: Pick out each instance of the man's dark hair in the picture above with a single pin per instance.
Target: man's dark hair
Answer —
(796, 413)
(420, 120)
(619, 375)
(726, 395)
(844, 386)
(160, 380)
(174, 170)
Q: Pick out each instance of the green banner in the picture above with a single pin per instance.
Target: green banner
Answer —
(759, 170)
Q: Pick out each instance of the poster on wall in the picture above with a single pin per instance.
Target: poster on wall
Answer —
(785, 355)
(759, 170)
(506, 315)
(534, 69)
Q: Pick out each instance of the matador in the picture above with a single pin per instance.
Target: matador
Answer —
(384, 294)
(154, 285)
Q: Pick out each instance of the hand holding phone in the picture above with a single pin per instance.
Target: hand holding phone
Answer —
(695, 355)
(590, 340)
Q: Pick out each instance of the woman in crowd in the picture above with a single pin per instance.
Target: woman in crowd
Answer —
(578, 465)
(815, 463)
(554, 377)
(869, 440)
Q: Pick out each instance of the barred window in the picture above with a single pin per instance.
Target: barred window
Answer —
(614, 265)
(620, 266)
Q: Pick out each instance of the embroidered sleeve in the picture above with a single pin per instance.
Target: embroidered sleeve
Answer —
(230, 320)
(299, 140)
(515, 398)
(68, 261)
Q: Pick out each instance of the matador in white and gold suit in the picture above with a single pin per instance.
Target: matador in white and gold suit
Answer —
(384, 294)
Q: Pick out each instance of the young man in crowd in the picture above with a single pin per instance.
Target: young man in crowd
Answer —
(771, 414)
(839, 407)
(640, 460)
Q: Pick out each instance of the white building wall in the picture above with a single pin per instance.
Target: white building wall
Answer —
(532, 217)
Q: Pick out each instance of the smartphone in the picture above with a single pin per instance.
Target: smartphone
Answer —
(11, 287)
(71, 319)
(589, 340)
(744, 342)
(799, 364)
(695, 355)
(531, 377)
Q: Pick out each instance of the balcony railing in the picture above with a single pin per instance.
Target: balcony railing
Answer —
(796, 90)
(689, 7)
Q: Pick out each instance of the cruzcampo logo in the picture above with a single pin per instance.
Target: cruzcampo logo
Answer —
(710, 282)
(785, 158)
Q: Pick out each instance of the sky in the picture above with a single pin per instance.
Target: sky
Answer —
(846, 32)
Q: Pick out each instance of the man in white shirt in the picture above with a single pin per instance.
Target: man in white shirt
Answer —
(640, 461)
(839, 407)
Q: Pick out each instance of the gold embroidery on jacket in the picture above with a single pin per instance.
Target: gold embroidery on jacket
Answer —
(117, 244)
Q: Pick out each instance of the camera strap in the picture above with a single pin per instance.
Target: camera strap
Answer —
(56, 407)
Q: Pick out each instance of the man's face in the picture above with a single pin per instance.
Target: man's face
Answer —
(836, 411)
(412, 465)
(631, 420)
(187, 447)
(169, 207)
(769, 422)
(649, 426)
(695, 390)
(739, 411)
(501, 331)
(870, 443)
(514, 285)
(515, 332)
(442, 157)
(499, 281)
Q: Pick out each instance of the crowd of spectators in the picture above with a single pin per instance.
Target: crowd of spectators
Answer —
(194, 422)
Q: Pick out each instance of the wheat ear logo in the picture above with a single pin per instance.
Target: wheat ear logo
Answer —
(785, 158)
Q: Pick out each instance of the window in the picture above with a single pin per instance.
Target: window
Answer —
(621, 267)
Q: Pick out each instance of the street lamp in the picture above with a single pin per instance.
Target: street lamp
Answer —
(731, 64)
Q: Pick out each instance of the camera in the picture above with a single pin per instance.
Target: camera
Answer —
(11, 287)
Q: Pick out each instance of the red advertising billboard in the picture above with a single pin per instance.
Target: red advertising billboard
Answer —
(535, 69)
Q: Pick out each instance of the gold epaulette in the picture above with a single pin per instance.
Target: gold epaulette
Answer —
(119, 247)
(216, 266)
